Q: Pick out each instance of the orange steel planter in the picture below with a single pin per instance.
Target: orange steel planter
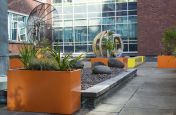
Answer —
(15, 63)
(44, 91)
(166, 62)
(103, 60)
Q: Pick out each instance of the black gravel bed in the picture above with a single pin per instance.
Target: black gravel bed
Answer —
(89, 79)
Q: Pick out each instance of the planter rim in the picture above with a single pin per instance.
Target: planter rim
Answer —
(167, 55)
(44, 70)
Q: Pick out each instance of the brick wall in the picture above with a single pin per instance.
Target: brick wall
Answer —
(154, 16)
(23, 6)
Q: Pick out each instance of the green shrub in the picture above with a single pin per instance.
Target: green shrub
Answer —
(66, 63)
(42, 65)
(27, 54)
(169, 41)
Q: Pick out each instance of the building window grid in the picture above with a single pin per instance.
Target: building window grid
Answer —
(101, 17)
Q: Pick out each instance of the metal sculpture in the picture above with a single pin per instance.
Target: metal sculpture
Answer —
(39, 23)
(98, 44)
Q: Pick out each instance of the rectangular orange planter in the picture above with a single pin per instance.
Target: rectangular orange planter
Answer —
(103, 60)
(166, 62)
(15, 63)
(44, 91)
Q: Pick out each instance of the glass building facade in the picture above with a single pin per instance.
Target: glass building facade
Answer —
(78, 22)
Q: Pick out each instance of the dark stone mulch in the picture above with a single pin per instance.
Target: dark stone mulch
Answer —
(89, 79)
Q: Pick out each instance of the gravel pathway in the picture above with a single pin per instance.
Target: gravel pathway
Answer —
(88, 79)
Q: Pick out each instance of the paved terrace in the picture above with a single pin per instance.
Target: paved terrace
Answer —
(152, 92)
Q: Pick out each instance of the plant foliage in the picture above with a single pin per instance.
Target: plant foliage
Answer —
(67, 62)
(169, 41)
(27, 54)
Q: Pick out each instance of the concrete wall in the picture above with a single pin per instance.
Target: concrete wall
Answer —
(154, 16)
(3, 38)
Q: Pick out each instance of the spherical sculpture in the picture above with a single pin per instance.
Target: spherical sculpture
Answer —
(107, 44)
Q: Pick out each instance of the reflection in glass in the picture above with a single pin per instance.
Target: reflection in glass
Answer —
(80, 34)
(81, 48)
(83, 19)
(122, 29)
(121, 19)
(108, 20)
(108, 14)
(95, 8)
(132, 47)
(132, 31)
(108, 7)
(58, 35)
(93, 31)
(132, 5)
(121, 6)
(132, 12)
(82, 8)
(69, 49)
(68, 35)
(108, 27)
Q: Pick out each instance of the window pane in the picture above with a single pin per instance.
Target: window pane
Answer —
(125, 47)
(108, 14)
(121, 6)
(95, 8)
(14, 34)
(93, 31)
(80, 23)
(132, 5)
(68, 10)
(122, 29)
(121, 19)
(132, 47)
(80, 34)
(108, 27)
(122, 13)
(132, 30)
(108, 20)
(132, 19)
(68, 49)
(94, 22)
(109, 7)
(132, 12)
(81, 48)
(78, 16)
(92, 15)
(58, 35)
(80, 8)
(68, 35)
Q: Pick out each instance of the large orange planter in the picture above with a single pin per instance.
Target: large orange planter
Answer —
(166, 62)
(44, 91)
(15, 63)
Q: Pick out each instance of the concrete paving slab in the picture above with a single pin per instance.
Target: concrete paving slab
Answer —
(108, 108)
(153, 102)
(101, 113)
(117, 100)
(140, 111)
